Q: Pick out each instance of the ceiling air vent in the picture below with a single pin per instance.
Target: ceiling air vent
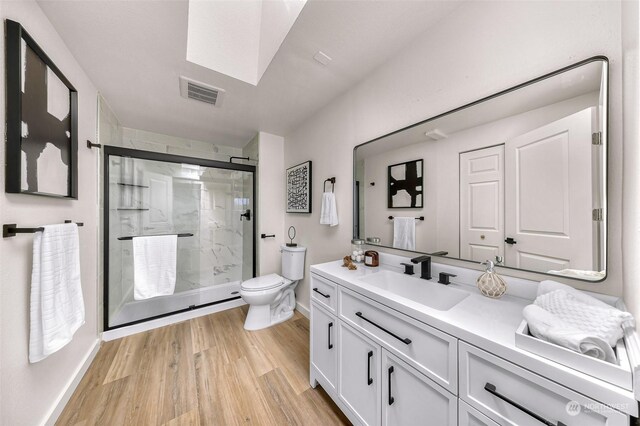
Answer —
(198, 91)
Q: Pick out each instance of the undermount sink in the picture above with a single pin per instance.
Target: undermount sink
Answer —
(427, 293)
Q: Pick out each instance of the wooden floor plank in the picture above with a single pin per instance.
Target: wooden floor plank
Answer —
(205, 371)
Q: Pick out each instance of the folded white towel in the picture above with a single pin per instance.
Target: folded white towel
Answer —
(57, 307)
(590, 316)
(154, 266)
(329, 211)
(404, 233)
(548, 327)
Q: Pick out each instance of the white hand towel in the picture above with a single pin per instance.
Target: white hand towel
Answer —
(404, 233)
(57, 307)
(546, 326)
(587, 314)
(329, 211)
(154, 266)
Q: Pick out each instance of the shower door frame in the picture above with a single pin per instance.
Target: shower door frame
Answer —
(108, 151)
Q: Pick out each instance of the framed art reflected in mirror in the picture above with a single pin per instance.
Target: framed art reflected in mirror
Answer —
(405, 185)
(42, 121)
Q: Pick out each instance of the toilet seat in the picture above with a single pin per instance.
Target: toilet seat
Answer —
(264, 282)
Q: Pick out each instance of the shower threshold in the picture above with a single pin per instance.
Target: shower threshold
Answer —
(140, 310)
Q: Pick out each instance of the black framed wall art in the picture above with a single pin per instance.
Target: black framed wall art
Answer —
(405, 185)
(299, 188)
(41, 120)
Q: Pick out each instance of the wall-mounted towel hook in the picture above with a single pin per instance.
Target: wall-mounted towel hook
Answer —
(93, 145)
(332, 180)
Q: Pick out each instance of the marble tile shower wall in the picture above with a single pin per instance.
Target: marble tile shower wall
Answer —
(204, 201)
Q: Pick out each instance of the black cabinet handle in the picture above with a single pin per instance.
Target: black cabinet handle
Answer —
(369, 379)
(510, 240)
(404, 340)
(321, 293)
(492, 390)
(391, 399)
(330, 345)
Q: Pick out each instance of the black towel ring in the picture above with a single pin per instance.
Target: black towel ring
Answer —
(332, 180)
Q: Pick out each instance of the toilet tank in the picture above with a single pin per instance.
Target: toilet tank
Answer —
(293, 262)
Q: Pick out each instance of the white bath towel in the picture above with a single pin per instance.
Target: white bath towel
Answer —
(404, 233)
(590, 316)
(57, 307)
(154, 266)
(548, 327)
(329, 211)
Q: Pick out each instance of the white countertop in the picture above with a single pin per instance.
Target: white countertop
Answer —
(489, 324)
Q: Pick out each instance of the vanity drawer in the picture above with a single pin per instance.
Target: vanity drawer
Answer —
(505, 392)
(325, 292)
(431, 351)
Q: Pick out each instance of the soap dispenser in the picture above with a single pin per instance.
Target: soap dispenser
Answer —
(490, 283)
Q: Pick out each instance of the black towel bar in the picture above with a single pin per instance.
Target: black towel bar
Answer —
(416, 218)
(156, 235)
(11, 229)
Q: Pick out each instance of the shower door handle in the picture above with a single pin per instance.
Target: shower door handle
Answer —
(246, 214)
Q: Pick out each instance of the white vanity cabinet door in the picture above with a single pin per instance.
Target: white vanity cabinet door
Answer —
(503, 391)
(410, 398)
(324, 350)
(469, 416)
(433, 352)
(359, 369)
(325, 292)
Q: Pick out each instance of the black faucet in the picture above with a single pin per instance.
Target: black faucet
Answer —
(425, 266)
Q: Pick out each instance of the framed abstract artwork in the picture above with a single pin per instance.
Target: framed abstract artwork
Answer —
(41, 120)
(405, 185)
(299, 188)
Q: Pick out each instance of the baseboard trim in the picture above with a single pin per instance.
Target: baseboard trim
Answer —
(73, 384)
(303, 310)
(172, 319)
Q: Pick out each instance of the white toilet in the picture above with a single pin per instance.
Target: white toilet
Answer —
(270, 297)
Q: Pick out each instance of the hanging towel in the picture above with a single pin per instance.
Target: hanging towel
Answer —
(329, 211)
(546, 326)
(404, 233)
(57, 307)
(154, 266)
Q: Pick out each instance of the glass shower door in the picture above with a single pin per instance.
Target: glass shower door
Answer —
(208, 204)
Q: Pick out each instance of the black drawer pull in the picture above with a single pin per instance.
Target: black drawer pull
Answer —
(492, 390)
(391, 399)
(321, 293)
(405, 340)
(330, 345)
(369, 379)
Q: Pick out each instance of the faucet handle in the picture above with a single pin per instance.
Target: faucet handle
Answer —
(444, 278)
(408, 268)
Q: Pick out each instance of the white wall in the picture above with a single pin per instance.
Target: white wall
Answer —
(631, 195)
(478, 50)
(31, 391)
(271, 202)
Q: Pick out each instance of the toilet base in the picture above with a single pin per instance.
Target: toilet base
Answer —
(263, 316)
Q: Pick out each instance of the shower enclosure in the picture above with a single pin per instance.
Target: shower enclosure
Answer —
(208, 204)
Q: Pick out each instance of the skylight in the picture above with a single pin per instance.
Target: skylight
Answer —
(239, 38)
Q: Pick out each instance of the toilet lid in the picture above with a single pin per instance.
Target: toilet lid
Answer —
(264, 282)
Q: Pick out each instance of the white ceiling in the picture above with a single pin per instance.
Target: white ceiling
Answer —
(135, 51)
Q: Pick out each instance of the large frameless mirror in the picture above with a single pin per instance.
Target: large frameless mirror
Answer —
(518, 178)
